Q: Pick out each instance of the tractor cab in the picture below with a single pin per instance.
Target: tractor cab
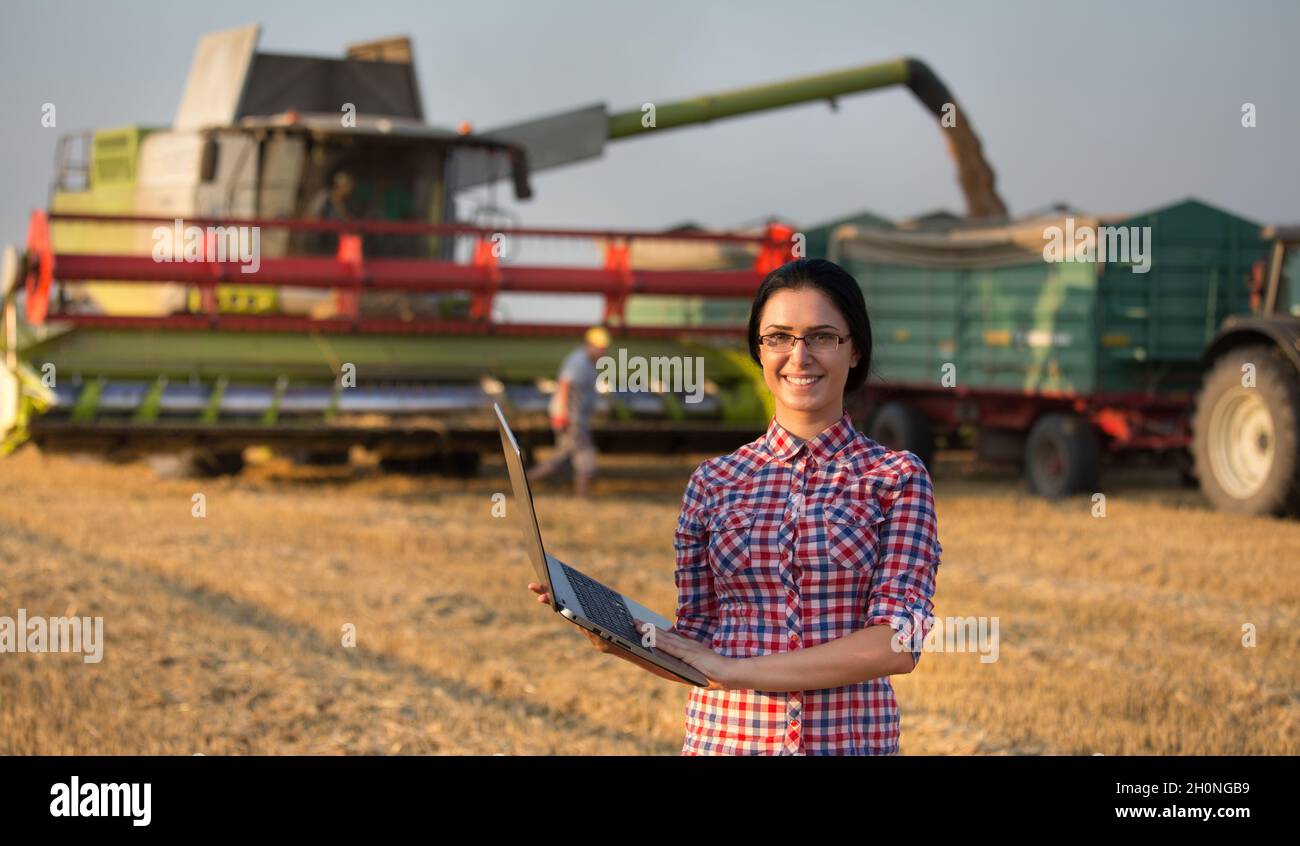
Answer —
(1280, 277)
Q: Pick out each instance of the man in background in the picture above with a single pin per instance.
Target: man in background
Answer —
(570, 409)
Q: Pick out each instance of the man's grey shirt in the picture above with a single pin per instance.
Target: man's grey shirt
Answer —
(581, 373)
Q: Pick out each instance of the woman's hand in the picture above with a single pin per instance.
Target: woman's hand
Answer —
(540, 590)
(601, 644)
(718, 669)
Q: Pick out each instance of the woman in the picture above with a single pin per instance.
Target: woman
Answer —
(806, 559)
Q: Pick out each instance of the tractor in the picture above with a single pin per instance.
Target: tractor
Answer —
(1246, 425)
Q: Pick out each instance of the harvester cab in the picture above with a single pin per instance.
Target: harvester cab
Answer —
(263, 136)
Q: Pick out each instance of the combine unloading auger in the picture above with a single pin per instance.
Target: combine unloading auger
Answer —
(581, 134)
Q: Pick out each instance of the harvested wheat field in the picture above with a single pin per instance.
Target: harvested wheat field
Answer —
(223, 633)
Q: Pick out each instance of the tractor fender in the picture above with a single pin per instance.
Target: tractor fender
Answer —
(1282, 333)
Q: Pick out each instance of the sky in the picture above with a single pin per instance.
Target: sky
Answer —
(1109, 106)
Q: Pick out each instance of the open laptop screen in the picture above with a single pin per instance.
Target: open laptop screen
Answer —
(523, 503)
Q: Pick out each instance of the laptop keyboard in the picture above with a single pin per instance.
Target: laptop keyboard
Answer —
(602, 605)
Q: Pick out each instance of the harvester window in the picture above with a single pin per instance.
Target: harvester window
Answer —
(208, 164)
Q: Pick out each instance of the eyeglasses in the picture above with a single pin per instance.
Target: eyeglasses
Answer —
(816, 342)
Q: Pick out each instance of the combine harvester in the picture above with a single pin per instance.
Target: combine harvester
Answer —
(190, 291)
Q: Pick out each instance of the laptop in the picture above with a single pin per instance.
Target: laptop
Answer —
(581, 599)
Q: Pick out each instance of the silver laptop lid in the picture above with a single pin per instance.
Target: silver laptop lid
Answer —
(525, 516)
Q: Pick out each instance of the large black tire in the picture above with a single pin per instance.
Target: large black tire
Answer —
(1246, 441)
(899, 426)
(1062, 456)
(321, 457)
(1000, 446)
(461, 464)
(419, 465)
(198, 463)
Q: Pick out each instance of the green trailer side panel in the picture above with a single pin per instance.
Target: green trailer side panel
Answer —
(1069, 326)
(1029, 328)
(1155, 325)
(913, 320)
(1016, 328)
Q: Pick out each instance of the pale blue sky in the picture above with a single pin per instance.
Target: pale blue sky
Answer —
(1111, 106)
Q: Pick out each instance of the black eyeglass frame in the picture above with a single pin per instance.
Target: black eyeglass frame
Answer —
(839, 340)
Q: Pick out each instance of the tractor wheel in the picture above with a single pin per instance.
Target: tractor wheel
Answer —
(1246, 440)
(1062, 456)
(901, 426)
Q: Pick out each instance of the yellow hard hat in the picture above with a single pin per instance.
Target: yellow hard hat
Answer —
(598, 336)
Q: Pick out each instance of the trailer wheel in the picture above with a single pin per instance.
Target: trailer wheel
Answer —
(1062, 456)
(1186, 469)
(1246, 441)
(461, 464)
(457, 464)
(900, 426)
(322, 457)
(219, 463)
(418, 465)
(197, 463)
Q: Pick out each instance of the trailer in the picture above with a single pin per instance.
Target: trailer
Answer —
(1057, 364)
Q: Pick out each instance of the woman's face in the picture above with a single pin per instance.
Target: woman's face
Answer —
(802, 312)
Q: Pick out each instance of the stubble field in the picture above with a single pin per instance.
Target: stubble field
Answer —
(224, 633)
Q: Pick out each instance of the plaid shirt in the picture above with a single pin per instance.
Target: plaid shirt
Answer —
(784, 545)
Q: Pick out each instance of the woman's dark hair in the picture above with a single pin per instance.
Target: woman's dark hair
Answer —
(837, 284)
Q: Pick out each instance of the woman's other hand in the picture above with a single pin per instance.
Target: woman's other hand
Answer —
(718, 669)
